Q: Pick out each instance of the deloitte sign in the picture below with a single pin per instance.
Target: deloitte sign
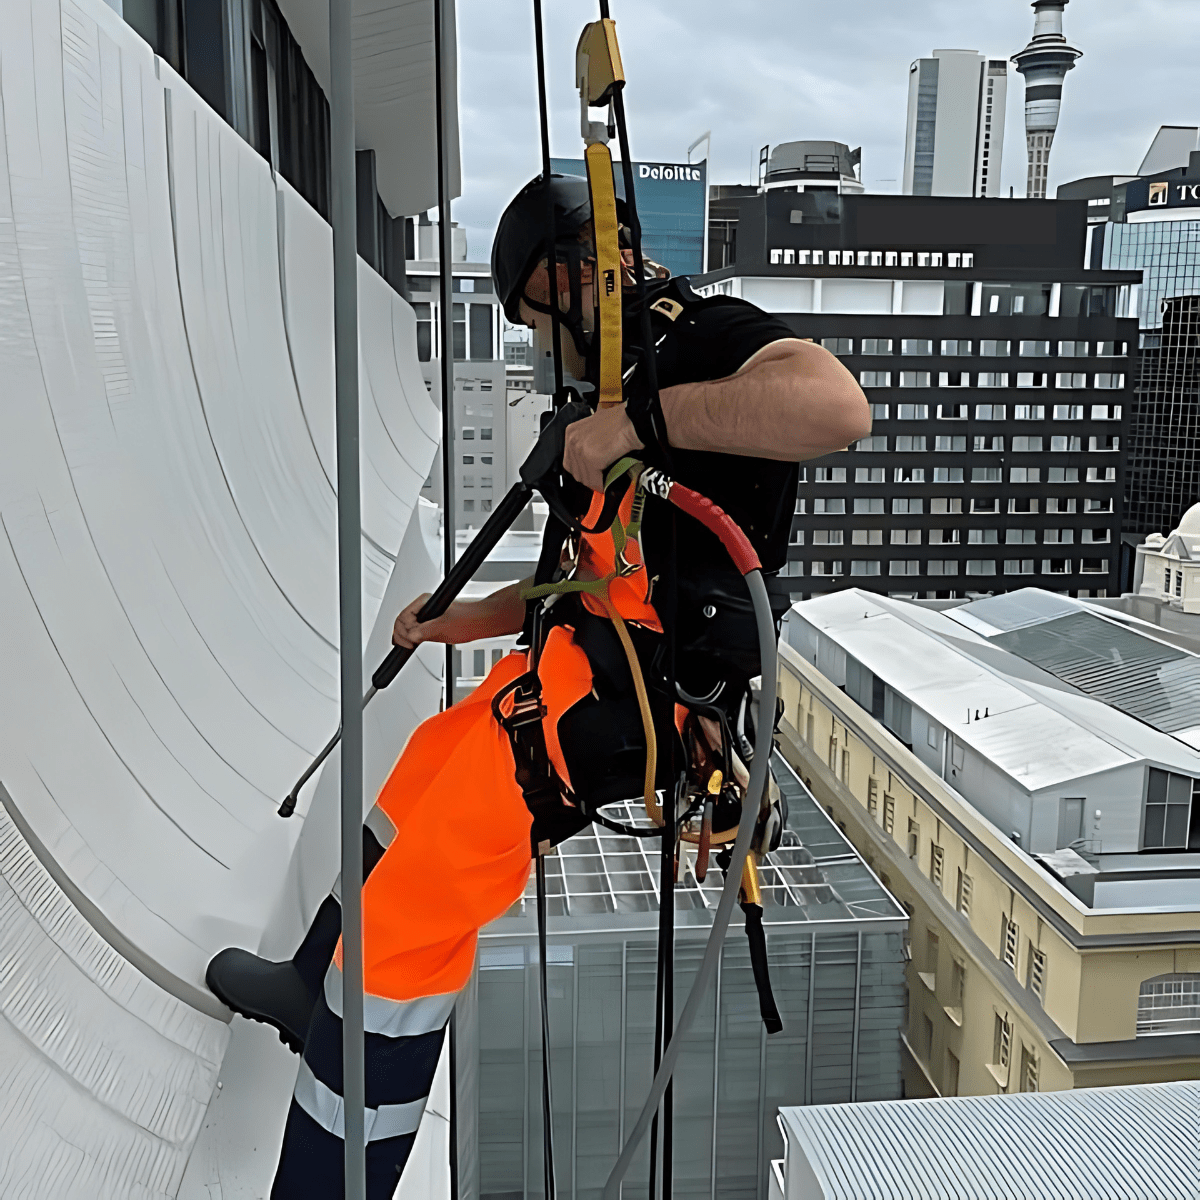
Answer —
(670, 171)
(670, 200)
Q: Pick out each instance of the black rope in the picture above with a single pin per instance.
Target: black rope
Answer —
(551, 227)
(547, 1101)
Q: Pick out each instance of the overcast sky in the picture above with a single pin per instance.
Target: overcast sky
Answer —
(770, 71)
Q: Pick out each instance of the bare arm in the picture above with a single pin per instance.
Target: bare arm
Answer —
(503, 612)
(792, 401)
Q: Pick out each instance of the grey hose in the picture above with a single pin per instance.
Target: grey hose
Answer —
(733, 878)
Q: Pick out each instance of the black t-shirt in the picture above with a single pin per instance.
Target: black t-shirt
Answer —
(711, 339)
(698, 590)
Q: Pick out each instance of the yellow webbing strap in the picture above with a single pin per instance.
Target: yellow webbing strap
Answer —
(608, 270)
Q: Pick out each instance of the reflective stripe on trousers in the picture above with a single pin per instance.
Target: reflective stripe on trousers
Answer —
(402, 1042)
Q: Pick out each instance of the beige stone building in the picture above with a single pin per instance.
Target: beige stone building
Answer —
(1043, 838)
(1168, 568)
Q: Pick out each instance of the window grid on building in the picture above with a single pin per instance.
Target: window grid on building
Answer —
(1010, 934)
(962, 900)
(1169, 1004)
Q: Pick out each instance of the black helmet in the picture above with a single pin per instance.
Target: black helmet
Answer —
(522, 237)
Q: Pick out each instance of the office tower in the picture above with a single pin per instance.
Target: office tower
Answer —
(1024, 771)
(999, 372)
(955, 132)
(1044, 63)
(1151, 223)
(837, 971)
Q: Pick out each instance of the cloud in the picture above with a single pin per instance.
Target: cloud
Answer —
(759, 73)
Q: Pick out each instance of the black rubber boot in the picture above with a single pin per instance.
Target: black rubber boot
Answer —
(282, 995)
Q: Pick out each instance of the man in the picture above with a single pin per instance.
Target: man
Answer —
(639, 623)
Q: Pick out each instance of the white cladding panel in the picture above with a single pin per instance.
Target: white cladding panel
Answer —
(167, 564)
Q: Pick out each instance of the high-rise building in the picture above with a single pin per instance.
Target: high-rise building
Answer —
(955, 133)
(1022, 771)
(1151, 223)
(1044, 63)
(837, 967)
(998, 371)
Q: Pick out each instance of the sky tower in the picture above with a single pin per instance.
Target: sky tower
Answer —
(1044, 63)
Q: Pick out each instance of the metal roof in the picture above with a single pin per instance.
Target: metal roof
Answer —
(1138, 674)
(815, 875)
(1109, 1143)
(1040, 729)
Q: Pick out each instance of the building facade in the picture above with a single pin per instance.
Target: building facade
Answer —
(1151, 223)
(1044, 63)
(954, 135)
(1037, 821)
(1168, 568)
(670, 205)
(999, 373)
(835, 941)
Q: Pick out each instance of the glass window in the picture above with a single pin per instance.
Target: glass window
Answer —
(1062, 444)
(1029, 412)
(829, 475)
(838, 345)
(1020, 537)
(942, 566)
(912, 412)
(981, 566)
(875, 444)
(867, 537)
(916, 346)
(1058, 537)
(947, 474)
(913, 444)
(914, 379)
(945, 505)
(990, 412)
(1106, 412)
(909, 475)
(994, 349)
(1018, 566)
(952, 412)
(956, 445)
(1025, 474)
(879, 412)
(859, 566)
(904, 566)
(1034, 349)
(1169, 1004)
(954, 379)
(1081, 300)
(1062, 475)
(986, 442)
(868, 474)
(875, 378)
(1068, 412)
(460, 332)
(1168, 808)
(903, 506)
(982, 537)
(868, 506)
(1113, 349)
(1027, 445)
(826, 537)
(829, 507)
(957, 296)
(1105, 380)
(877, 345)
(1017, 299)
(1065, 379)
(944, 537)
(1072, 349)
(958, 348)
(424, 329)
(1031, 379)
(992, 379)
(482, 323)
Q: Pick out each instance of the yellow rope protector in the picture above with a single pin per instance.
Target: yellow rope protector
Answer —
(608, 270)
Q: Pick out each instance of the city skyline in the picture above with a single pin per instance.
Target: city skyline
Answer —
(844, 77)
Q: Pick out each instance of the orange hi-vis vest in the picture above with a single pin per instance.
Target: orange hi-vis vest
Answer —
(451, 816)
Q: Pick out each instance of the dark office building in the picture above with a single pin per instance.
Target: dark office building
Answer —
(1151, 223)
(999, 372)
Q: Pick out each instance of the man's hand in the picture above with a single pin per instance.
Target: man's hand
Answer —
(501, 613)
(595, 443)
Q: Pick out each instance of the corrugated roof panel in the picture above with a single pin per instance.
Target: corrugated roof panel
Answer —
(1147, 679)
(1123, 1143)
